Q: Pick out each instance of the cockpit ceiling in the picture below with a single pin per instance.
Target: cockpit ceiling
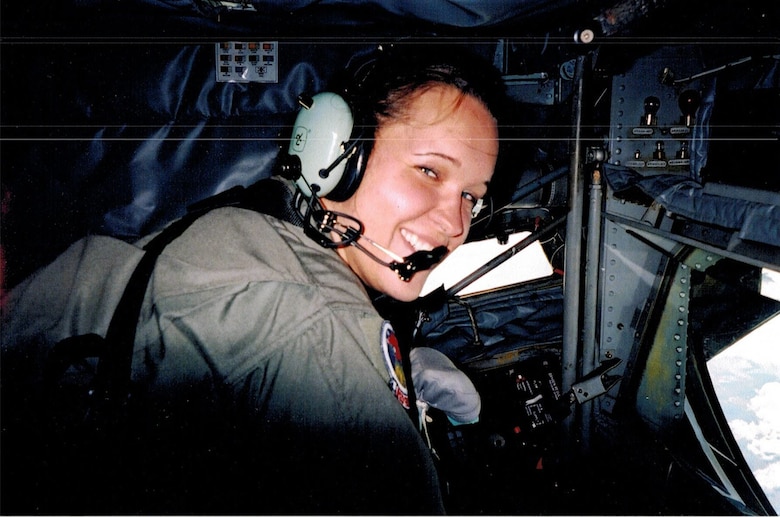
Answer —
(342, 19)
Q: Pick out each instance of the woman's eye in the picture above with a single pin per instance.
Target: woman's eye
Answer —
(476, 203)
(470, 198)
(429, 172)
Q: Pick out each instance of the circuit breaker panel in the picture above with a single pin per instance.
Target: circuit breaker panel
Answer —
(247, 61)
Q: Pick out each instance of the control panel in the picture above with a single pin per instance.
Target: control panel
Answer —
(513, 449)
(247, 61)
(654, 115)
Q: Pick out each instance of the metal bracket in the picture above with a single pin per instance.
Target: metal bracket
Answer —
(536, 88)
(596, 383)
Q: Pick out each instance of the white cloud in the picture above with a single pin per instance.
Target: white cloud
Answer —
(770, 284)
(758, 422)
(746, 378)
(765, 442)
(754, 355)
(741, 429)
(765, 405)
(769, 477)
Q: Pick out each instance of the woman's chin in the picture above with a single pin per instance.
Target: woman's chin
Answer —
(404, 291)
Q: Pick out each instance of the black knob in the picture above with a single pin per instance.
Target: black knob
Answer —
(652, 104)
(288, 166)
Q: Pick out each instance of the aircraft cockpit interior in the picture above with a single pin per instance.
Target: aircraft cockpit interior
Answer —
(632, 239)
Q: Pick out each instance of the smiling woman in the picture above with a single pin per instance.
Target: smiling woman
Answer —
(423, 178)
(259, 357)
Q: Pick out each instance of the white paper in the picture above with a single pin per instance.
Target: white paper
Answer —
(530, 264)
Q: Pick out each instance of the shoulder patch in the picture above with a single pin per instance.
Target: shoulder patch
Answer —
(391, 351)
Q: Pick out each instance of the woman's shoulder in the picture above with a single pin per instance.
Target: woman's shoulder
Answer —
(236, 245)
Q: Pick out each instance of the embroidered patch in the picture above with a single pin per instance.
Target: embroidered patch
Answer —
(394, 363)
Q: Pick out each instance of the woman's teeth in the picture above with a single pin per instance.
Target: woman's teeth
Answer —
(415, 241)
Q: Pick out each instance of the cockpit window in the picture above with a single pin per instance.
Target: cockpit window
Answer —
(746, 378)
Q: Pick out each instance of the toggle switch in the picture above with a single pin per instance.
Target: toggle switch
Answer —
(682, 158)
(659, 153)
(636, 161)
(658, 159)
(689, 102)
(652, 104)
(683, 153)
(649, 120)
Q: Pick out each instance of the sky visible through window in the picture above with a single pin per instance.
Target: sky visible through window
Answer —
(746, 377)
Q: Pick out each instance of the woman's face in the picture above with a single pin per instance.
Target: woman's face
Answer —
(421, 181)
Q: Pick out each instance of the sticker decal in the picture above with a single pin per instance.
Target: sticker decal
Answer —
(391, 351)
(299, 139)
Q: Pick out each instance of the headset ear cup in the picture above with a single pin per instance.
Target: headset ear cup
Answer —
(353, 172)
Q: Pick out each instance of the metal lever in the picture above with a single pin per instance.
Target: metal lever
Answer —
(596, 383)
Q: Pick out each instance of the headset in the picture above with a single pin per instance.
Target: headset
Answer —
(328, 152)
(332, 138)
(326, 158)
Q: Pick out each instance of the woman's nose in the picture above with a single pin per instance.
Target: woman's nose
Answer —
(448, 215)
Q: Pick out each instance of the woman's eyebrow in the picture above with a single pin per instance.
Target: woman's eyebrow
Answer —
(447, 157)
(450, 159)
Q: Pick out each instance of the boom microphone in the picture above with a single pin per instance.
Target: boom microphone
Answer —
(418, 261)
(321, 224)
